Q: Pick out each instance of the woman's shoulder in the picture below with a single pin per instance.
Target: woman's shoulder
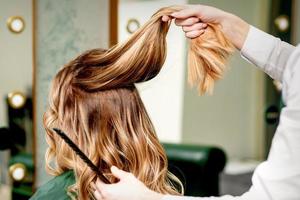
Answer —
(56, 188)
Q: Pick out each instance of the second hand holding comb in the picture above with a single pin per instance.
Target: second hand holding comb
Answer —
(85, 159)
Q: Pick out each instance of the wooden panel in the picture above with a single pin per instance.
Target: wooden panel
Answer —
(113, 25)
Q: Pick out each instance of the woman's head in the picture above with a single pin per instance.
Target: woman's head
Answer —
(94, 100)
(111, 126)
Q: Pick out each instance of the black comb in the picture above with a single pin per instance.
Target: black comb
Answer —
(84, 158)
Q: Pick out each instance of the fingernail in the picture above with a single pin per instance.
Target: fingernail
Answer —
(164, 18)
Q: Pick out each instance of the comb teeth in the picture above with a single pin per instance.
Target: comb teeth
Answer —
(78, 152)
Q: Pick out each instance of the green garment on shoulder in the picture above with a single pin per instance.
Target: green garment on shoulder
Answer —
(56, 188)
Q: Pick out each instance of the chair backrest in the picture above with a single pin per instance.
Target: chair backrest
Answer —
(197, 166)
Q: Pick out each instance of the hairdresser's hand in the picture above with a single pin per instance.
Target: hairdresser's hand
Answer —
(128, 188)
(194, 19)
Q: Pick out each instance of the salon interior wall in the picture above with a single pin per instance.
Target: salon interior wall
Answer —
(163, 95)
(15, 59)
(64, 29)
(233, 117)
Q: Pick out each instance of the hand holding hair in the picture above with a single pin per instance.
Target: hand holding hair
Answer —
(145, 51)
(194, 20)
(128, 188)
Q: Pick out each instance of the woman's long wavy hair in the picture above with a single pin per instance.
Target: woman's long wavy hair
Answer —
(94, 100)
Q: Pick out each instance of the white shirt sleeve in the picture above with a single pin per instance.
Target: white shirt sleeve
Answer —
(278, 178)
(266, 52)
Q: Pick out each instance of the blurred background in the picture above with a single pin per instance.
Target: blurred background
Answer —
(232, 129)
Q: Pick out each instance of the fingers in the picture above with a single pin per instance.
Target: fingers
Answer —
(186, 22)
(166, 18)
(194, 34)
(99, 185)
(97, 195)
(194, 27)
(185, 13)
(120, 174)
(194, 30)
(181, 22)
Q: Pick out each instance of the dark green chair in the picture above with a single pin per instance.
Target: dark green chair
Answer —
(198, 167)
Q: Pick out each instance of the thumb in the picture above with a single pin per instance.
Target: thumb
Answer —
(185, 13)
(120, 174)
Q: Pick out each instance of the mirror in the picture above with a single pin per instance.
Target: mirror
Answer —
(16, 108)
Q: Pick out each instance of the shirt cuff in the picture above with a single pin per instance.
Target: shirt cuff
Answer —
(258, 48)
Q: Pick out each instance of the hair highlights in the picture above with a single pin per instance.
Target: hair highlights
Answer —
(94, 99)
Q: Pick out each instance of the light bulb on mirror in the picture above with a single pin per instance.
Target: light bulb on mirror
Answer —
(132, 25)
(17, 172)
(282, 23)
(16, 24)
(16, 99)
(278, 85)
